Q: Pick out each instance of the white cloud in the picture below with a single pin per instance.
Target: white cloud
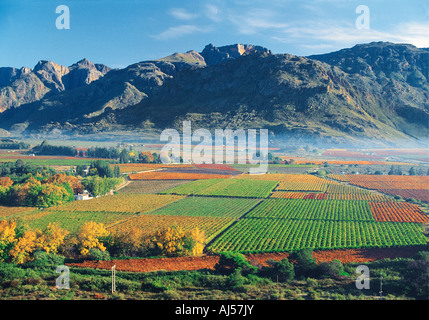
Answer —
(256, 20)
(337, 33)
(180, 31)
(213, 13)
(182, 14)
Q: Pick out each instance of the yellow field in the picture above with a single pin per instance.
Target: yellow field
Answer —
(152, 223)
(11, 211)
(134, 203)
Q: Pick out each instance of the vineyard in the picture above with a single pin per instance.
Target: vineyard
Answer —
(13, 211)
(72, 221)
(175, 176)
(131, 203)
(149, 224)
(192, 187)
(416, 187)
(336, 210)
(398, 212)
(239, 188)
(151, 186)
(227, 188)
(273, 235)
(209, 207)
(270, 213)
(137, 167)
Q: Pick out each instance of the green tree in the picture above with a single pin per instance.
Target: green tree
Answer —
(306, 264)
(103, 168)
(333, 269)
(124, 156)
(230, 261)
(417, 275)
(282, 270)
(80, 170)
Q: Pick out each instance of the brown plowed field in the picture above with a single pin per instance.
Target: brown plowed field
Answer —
(208, 262)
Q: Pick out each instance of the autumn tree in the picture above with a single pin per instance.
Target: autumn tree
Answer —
(47, 195)
(169, 241)
(25, 245)
(174, 241)
(90, 236)
(7, 238)
(51, 238)
(195, 241)
(146, 157)
(6, 182)
(19, 193)
(61, 178)
(130, 241)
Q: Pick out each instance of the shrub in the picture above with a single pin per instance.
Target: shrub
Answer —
(236, 280)
(230, 261)
(306, 264)
(282, 271)
(333, 269)
(417, 274)
(41, 259)
(97, 254)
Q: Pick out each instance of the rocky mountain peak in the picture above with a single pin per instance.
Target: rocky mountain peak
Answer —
(84, 63)
(215, 55)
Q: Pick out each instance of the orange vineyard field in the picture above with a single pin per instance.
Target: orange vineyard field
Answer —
(397, 212)
(416, 187)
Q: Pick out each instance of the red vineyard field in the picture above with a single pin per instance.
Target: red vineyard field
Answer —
(216, 167)
(416, 187)
(419, 194)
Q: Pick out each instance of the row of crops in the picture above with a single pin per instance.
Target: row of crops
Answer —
(416, 187)
(226, 188)
(271, 235)
(249, 213)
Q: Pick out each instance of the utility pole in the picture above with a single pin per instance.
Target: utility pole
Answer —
(114, 279)
(381, 286)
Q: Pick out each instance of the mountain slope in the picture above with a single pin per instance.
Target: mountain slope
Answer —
(371, 91)
(284, 93)
(22, 86)
(397, 77)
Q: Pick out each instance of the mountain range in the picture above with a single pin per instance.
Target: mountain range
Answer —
(371, 92)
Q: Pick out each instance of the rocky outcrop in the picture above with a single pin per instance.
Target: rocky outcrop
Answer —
(213, 55)
(25, 85)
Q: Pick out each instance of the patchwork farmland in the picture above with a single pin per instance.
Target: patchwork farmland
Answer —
(251, 214)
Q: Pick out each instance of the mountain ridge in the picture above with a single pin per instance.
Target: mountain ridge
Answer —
(26, 85)
(371, 91)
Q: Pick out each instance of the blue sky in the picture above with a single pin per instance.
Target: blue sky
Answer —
(121, 32)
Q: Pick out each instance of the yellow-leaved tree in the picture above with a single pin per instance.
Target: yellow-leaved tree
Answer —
(170, 240)
(7, 238)
(131, 240)
(174, 241)
(195, 240)
(89, 237)
(51, 238)
(23, 248)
